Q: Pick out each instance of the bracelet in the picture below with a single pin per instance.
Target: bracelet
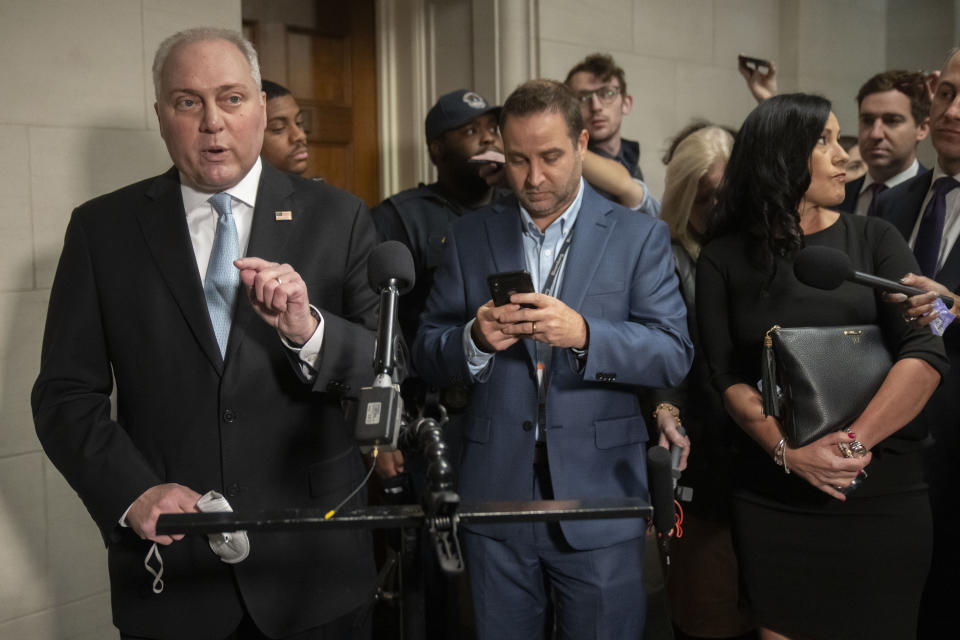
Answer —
(672, 410)
(778, 455)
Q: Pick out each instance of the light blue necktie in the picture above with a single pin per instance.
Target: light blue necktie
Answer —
(220, 285)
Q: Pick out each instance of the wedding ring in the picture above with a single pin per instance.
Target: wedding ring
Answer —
(845, 449)
(534, 332)
(279, 281)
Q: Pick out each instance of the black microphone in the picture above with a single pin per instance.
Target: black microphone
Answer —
(826, 268)
(661, 489)
(390, 272)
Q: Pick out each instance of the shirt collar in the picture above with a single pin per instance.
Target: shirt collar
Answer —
(566, 219)
(245, 191)
(940, 173)
(903, 176)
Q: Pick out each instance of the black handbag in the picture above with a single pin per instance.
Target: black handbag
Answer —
(819, 379)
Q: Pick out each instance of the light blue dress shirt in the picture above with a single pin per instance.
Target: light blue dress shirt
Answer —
(539, 250)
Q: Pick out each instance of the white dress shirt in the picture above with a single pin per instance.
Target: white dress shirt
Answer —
(202, 224)
(865, 197)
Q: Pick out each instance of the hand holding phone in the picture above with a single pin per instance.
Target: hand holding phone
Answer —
(761, 76)
(503, 285)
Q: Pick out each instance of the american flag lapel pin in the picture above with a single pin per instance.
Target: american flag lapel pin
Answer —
(283, 216)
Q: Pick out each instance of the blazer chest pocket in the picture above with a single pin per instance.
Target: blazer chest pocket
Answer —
(477, 429)
(601, 287)
(435, 246)
(605, 299)
(618, 432)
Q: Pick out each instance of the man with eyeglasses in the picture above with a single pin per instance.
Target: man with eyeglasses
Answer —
(602, 89)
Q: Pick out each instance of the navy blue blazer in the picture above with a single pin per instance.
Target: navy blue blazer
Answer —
(620, 276)
(901, 206)
(852, 192)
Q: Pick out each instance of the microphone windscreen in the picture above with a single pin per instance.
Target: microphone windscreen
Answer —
(821, 267)
(661, 488)
(389, 260)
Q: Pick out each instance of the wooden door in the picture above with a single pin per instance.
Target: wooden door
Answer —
(324, 51)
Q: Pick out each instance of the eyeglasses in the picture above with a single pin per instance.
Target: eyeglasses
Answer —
(605, 95)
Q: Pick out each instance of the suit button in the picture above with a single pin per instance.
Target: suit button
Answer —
(233, 490)
(229, 416)
(527, 425)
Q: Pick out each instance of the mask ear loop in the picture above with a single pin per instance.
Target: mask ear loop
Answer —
(157, 575)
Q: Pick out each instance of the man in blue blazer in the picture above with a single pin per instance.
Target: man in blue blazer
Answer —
(553, 411)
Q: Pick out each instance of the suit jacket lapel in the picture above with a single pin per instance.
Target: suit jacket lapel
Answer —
(591, 234)
(904, 214)
(504, 236)
(268, 237)
(164, 226)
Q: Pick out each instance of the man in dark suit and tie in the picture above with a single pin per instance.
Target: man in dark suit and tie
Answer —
(553, 410)
(230, 371)
(926, 210)
(893, 119)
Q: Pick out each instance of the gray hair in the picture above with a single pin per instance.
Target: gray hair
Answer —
(201, 34)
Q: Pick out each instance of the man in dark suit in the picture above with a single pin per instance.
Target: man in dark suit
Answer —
(926, 210)
(553, 410)
(893, 118)
(229, 370)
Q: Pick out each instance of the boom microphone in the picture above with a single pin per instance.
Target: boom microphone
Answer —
(390, 272)
(826, 268)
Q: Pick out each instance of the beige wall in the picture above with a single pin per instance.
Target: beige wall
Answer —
(680, 56)
(76, 120)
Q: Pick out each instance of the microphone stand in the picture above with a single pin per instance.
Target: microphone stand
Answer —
(441, 512)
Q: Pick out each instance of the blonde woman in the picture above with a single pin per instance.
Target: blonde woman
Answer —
(703, 578)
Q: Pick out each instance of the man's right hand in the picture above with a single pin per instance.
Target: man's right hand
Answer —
(163, 498)
(487, 331)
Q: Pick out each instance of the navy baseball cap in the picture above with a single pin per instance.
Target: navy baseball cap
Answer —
(455, 109)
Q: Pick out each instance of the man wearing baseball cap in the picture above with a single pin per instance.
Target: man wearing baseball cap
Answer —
(460, 126)
(461, 132)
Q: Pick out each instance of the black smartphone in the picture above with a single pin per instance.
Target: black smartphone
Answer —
(753, 64)
(503, 285)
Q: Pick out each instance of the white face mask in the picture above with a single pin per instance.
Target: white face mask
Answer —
(232, 547)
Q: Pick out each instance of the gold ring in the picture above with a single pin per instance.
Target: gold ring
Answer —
(534, 329)
(279, 281)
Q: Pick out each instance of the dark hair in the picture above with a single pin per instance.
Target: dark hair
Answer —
(695, 125)
(274, 90)
(768, 175)
(539, 96)
(602, 66)
(912, 84)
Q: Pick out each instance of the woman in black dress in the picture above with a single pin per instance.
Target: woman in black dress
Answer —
(815, 563)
